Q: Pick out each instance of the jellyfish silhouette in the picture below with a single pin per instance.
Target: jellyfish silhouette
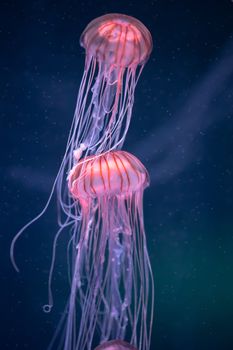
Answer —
(111, 273)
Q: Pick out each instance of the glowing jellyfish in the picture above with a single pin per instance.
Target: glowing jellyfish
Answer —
(116, 45)
(115, 345)
(111, 273)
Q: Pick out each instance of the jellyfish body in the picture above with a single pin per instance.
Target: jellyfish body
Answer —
(116, 45)
(117, 40)
(111, 273)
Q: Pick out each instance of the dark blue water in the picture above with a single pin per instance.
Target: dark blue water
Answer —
(182, 131)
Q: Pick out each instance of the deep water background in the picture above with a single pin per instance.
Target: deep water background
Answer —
(181, 129)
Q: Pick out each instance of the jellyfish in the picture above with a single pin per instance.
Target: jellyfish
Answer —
(112, 295)
(115, 345)
(117, 47)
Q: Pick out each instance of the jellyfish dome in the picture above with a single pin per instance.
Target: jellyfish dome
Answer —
(117, 39)
(114, 173)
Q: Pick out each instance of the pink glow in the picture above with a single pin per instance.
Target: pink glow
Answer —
(118, 40)
(116, 172)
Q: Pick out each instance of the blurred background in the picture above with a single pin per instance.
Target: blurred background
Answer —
(181, 129)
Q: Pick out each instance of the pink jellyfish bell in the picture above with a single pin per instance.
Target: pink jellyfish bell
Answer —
(117, 40)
